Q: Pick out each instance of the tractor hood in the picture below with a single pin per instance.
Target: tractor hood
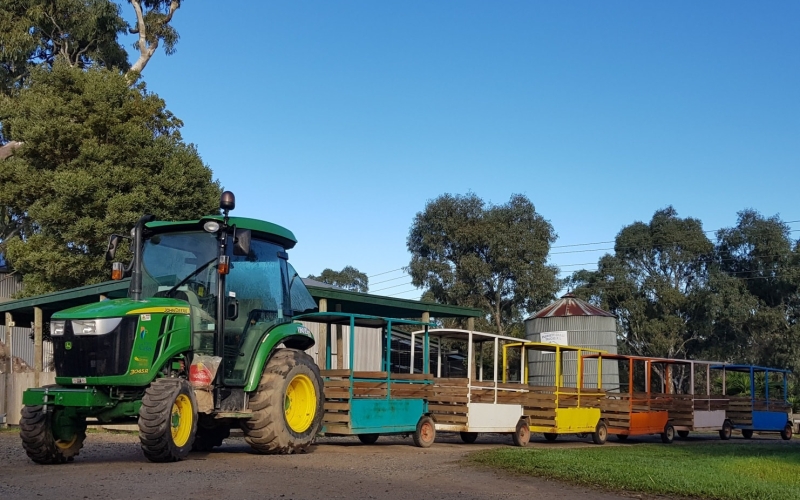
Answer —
(123, 307)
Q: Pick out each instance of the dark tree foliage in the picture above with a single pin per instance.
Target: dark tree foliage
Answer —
(348, 278)
(493, 257)
(96, 154)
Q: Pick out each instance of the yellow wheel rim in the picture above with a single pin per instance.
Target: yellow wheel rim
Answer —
(300, 403)
(65, 445)
(181, 420)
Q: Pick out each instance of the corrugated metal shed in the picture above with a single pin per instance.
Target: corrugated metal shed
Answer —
(586, 326)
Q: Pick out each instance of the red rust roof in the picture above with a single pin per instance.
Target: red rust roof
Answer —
(570, 305)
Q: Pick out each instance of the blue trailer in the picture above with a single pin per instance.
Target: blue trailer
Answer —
(763, 410)
(369, 404)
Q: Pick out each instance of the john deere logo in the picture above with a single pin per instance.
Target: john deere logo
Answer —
(140, 360)
(68, 345)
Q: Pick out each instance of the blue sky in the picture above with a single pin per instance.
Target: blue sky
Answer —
(339, 120)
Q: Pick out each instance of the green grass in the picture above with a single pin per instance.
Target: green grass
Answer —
(725, 471)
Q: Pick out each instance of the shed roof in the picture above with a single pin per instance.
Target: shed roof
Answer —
(347, 301)
(570, 305)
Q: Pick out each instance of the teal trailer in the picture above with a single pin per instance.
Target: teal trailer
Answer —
(369, 404)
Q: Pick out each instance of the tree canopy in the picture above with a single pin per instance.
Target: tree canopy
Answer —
(348, 278)
(96, 154)
(493, 257)
(678, 294)
(85, 148)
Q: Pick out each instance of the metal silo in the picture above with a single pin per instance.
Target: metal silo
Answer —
(586, 326)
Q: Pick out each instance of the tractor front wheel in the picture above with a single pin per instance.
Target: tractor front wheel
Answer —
(747, 433)
(786, 433)
(168, 420)
(47, 443)
(287, 406)
(550, 436)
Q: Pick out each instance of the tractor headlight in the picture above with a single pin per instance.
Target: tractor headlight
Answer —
(94, 326)
(211, 226)
(57, 327)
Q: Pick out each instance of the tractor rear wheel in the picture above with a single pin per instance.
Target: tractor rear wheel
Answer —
(39, 437)
(469, 437)
(287, 406)
(168, 420)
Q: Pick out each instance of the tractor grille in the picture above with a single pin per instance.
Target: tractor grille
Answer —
(95, 355)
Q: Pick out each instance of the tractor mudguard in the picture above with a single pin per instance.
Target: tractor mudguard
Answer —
(292, 335)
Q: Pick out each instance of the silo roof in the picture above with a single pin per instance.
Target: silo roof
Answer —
(570, 305)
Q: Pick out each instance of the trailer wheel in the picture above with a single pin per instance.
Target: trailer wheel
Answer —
(425, 434)
(167, 420)
(600, 433)
(522, 435)
(368, 438)
(726, 431)
(622, 437)
(209, 436)
(469, 437)
(668, 435)
(287, 405)
(683, 434)
(747, 433)
(39, 439)
(786, 433)
(550, 436)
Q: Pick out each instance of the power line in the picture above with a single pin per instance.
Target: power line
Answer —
(388, 287)
(596, 249)
(391, 279)
(386, 272)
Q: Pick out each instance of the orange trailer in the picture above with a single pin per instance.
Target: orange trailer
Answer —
(630, 412)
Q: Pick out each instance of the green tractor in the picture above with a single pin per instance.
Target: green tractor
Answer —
(219, 288)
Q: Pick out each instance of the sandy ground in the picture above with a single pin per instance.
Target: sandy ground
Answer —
(111, 466)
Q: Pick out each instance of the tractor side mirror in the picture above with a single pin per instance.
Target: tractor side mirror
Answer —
(241, 242)
(113, 243)
(231, 308)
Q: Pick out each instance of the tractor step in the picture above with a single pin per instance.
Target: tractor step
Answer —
(234, 414)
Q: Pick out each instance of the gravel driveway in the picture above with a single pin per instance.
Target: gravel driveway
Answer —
(111, 466)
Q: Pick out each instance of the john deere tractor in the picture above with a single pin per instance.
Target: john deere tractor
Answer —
(218, 287)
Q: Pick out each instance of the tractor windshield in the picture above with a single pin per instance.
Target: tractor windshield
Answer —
(181, 265)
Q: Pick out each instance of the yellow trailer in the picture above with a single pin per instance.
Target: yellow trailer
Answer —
(560, 409)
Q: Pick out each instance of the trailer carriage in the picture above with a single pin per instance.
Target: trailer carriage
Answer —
(698, 409)
(478, 402)
(761, 410)
(369, 404)
(634, 409)
(558, 409)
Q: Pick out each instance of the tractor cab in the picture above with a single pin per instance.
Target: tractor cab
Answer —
(261, 289)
